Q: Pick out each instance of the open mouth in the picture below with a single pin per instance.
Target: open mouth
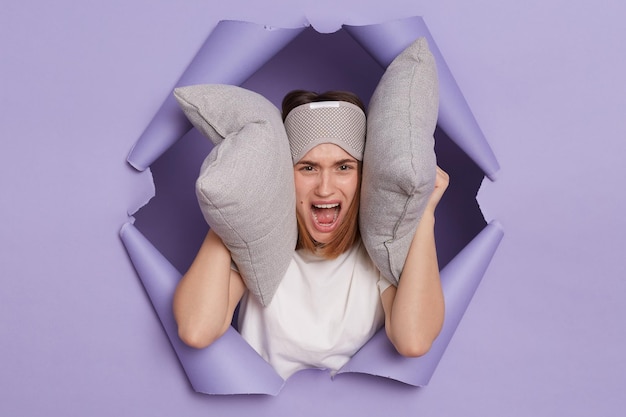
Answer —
(325, 215)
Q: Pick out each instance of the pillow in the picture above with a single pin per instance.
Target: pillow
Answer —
(245, 188)
(399, 162)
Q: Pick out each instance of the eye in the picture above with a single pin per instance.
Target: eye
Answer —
(345, 167)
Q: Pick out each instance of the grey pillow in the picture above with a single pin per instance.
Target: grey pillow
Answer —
(399, 162)
(245, 188)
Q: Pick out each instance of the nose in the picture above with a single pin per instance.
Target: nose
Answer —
(324, 184)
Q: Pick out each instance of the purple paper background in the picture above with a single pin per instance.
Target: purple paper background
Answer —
(544, 334)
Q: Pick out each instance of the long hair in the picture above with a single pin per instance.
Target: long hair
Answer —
(348, 231)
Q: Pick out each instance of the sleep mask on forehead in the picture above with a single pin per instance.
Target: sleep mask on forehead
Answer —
(337, 122)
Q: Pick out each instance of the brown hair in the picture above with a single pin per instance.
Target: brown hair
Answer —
(348, 231)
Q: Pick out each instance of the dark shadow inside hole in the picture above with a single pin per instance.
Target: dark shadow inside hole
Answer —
(317, 62)
(172, 220)
(458, 216)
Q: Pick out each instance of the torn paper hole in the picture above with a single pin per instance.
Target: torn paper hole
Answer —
(169, 229)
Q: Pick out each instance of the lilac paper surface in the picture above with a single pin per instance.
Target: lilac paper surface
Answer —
(459, 280)
(231, 53)
(229, 365)
(386, 41)
(543, 335)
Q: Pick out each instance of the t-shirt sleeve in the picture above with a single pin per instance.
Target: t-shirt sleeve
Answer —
(383, 284)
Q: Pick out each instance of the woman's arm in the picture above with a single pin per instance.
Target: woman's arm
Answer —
(207, 295)
(414, 310)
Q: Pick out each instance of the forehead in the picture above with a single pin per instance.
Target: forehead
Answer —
(327, 152)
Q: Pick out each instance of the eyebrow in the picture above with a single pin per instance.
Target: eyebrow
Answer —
(346, 161)
(340, 162)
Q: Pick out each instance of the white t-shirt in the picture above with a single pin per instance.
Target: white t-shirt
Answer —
(322, 312)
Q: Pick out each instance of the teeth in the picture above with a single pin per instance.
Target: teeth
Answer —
(326, 206)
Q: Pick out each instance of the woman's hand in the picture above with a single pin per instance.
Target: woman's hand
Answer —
(442, 179)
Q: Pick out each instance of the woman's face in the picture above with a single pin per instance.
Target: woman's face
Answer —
(326, 180)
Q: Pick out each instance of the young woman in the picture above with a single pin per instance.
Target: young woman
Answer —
(332, 298)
